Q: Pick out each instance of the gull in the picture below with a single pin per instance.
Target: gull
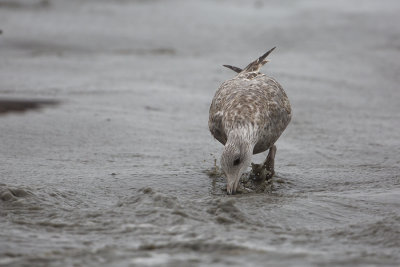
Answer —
(247, 115)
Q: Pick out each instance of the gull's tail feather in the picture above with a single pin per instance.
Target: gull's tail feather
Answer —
(235, 69)
(258, 63)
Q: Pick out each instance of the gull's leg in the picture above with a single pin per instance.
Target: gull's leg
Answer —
(270, 162)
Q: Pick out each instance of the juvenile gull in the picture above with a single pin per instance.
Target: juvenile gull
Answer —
(247, 115)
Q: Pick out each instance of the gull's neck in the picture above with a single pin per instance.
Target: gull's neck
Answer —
(243, 137)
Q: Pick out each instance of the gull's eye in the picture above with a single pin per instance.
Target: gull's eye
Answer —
(236, 161)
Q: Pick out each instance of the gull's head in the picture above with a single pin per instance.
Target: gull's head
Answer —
(234, 161)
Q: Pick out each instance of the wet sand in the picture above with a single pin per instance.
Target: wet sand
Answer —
(117, 174)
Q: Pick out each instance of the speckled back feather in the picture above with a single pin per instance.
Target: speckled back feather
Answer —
(250, 100)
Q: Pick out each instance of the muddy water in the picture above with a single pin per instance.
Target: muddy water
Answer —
(118, 174)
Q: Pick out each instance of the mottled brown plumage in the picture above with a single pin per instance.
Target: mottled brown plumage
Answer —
(248, 114)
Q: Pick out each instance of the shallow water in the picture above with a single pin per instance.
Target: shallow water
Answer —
(117, 174)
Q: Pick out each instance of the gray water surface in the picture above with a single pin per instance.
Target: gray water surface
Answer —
(116, 174)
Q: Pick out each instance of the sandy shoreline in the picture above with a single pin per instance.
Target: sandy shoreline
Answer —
(108, 165)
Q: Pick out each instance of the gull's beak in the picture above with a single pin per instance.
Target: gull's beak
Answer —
(232, 183)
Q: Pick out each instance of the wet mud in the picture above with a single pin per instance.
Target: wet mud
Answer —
(123, 171)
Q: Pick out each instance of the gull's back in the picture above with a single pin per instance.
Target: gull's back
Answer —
(251, 100)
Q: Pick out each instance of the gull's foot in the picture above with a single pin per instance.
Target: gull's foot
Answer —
(259, 172)
(269, 174)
